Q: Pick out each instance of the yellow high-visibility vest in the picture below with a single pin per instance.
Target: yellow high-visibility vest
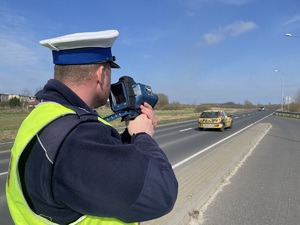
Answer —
(19, 209)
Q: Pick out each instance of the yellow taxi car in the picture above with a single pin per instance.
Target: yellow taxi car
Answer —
(214, 119)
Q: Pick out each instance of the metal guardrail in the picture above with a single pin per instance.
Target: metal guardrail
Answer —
(287, 114)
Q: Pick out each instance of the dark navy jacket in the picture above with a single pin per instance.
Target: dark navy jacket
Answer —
(96, 171)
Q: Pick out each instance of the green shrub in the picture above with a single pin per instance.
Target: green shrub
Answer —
(172, 106)
(14, 102)
(201, 108)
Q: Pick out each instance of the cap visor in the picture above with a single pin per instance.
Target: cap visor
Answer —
(114, 65)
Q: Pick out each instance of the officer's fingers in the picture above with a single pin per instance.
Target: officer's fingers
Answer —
(147, 110)
(154, 120)
(146, 123)
(151, 115)
(147, 105)
(140, 124)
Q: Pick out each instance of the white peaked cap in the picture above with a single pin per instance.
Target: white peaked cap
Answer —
(100, 39)
(83, 48)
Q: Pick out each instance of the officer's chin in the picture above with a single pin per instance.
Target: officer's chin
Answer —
(100, 102)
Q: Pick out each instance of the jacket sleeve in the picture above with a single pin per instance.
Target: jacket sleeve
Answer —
(96, 174)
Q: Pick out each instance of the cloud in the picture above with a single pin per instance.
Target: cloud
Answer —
(19, 46)
(214, 37)
(147, 35)
(15, 54)
(232, 30)
(239, 27)
(197, 3)
(192, 6)
(22, 60)
(9, 17)
(235, 2)
(292, 20)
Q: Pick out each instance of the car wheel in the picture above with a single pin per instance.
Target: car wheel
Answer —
(201, 129)
(231, 125)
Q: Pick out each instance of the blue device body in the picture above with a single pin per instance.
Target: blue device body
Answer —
(126, 97)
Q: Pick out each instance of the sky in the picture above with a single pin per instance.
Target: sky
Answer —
(193, 51)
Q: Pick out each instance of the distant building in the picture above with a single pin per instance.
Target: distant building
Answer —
(32, 104)
(22, 98)
(4, 97)
(29, 101)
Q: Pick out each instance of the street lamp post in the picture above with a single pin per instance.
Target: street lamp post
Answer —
(290, 35)
(282, 99)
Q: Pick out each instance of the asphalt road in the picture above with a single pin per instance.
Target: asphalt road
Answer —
(266, 188)
(179, 141)
(4, 213)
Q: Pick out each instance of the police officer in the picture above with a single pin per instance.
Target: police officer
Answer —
(68, 166)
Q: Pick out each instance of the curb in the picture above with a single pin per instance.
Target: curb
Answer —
(202, 177)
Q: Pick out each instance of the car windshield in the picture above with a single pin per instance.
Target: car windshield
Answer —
(210, 115)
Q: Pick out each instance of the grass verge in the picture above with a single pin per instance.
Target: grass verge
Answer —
(10, 121)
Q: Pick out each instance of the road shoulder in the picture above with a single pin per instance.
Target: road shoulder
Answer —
(203, 176)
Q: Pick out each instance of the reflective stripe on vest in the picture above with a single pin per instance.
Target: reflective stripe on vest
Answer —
(21, 213)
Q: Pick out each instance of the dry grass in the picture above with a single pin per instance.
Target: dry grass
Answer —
(10, 121)
(163, 116)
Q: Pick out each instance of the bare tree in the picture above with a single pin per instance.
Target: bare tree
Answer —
(297, 97)
(38, 89)
(162, 100)
(297, 101)
(26, 92)
(247, 103)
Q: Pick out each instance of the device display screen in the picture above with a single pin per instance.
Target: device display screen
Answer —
(117, 94)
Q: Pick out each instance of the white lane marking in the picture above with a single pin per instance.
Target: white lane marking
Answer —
(209, 147)
(4, 151)
(204, 150)
(186, 129)
(4, 173)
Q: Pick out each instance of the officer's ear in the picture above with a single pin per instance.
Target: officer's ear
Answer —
(99, 73)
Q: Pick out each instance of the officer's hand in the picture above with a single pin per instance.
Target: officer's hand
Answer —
(148, 111)
(140, 124)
